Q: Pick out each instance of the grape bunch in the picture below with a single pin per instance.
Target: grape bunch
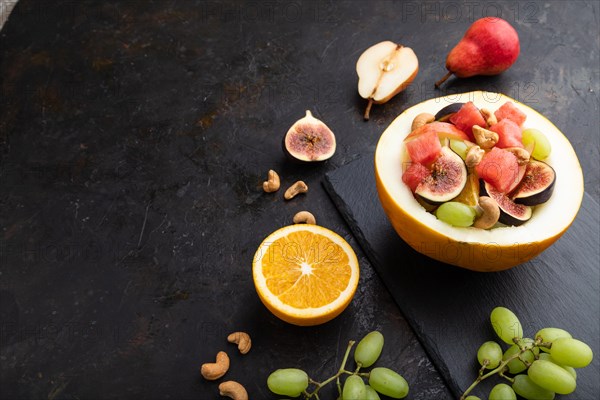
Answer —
(540, 367)
(294, 382)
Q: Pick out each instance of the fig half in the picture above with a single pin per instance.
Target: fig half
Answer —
(309, 140)
(537, 185)
(447, 179)
(511, 213)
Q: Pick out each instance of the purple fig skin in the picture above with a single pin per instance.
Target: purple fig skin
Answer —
(445, 113)
(489, 47)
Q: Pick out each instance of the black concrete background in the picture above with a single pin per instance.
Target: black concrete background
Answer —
(134, 138)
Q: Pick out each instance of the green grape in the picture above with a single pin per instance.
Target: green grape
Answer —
(459, 147)
(472, 398)
(456, 214)
(388, 382)
(369, 349)
(506, 324)
(550, 376)
(571, 352)
(550, 335)
(370, 393)
(541, 144)
(354, 388)
(548, 357)
(490, 351)
(526, 388)
(288, 382)
(516, 366)
(502, 392)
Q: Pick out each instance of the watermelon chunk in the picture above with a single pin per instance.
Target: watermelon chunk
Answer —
(509, 111)
(500, 169)
(466, 117)
(425, 148)
(509, 134)
(414, 174)
(443, 129)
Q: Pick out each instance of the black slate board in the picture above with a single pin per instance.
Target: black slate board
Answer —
(448, 307)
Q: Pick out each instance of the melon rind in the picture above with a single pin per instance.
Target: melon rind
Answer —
(472, 248)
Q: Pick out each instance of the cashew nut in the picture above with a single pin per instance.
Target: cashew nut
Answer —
(233, 390)
(272, 183)
(485, 138)
(295, 189)
(489, 116)
(242, 339)
(304, 217)
(422, 119)
(490, 213)
(474, 156)
(213, 371)
(522, 154)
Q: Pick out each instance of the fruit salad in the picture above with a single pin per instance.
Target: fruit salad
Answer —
(471, 167)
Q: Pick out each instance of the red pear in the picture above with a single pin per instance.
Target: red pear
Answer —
(489, 47)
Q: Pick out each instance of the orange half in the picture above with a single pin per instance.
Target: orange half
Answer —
(305, 274)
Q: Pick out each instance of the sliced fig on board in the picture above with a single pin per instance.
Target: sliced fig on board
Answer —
(309, 140)
(445, 113)
(511, 213)
(447, 179)
(537, 185)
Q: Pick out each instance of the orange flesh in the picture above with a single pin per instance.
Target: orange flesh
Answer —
(470, 193)
(306, 270)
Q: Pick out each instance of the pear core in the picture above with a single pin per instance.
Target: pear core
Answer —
(384, 70)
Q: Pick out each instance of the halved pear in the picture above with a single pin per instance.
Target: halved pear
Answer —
(384, 70)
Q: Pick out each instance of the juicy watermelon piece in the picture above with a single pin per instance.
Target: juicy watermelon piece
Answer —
(466, 117)
(425, 148)
(500, 169)
(443, 130)
(509, 111)
(509, 134)
(414, 174)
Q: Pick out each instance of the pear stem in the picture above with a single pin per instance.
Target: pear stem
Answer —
(438, 83)
(368, 110)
